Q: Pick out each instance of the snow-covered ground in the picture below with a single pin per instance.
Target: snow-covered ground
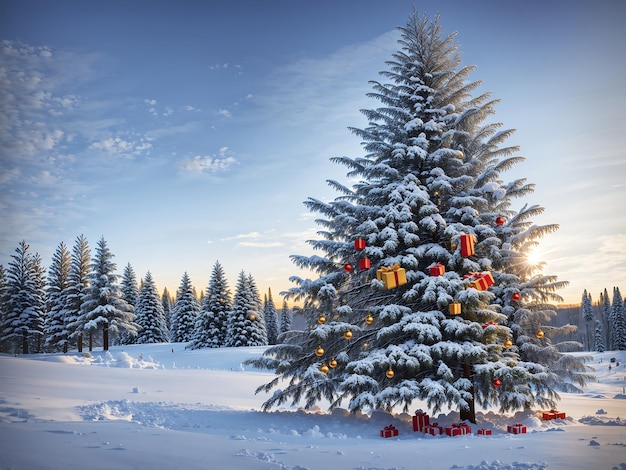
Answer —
(162, 407)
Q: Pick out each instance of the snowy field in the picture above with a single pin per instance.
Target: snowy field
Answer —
(161, 407)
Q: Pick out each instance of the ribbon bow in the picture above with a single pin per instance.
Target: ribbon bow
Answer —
(395, 267)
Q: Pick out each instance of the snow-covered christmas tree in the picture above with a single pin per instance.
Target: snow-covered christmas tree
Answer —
(419, 294)
(57, 336)
(103, 307)
(246, 325)
(23, 302)
(211, 326)
(185, 312)
(150, 316)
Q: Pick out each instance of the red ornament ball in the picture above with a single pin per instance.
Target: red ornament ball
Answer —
(347, 267)
(500, 221)
(516, 297)
(497, 383)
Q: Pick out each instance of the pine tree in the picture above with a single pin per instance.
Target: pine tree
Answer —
(211, 327)
(185, 312)
(78, 281)
(260, 324)
(23, 302)
(130, 291)
(150, 317)
(57, 335)
(599, 337)
(245, 316)
(4, 345)
(286, 319)
(167, 302)
(130, 294)
(428, 186)
(271, 318)
(103, 307)
(618, 321)
(587, 316)
(608, 321)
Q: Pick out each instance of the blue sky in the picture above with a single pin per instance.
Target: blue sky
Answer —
(186, 132)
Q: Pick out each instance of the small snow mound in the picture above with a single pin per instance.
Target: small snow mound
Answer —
(497, 465)
(600, 412)
(593, 442)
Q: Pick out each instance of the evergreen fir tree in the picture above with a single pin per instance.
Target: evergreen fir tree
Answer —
(78, 281)
(618, 321)
(211, 327)
(271, 318)
(130, 294)
(260, 324)
(23, 302)
(185, 312)
(608, 321)
(599, 336)
(3, 284)
(587, 316)
(150, 317)
(130, 291)
(245, 316)
(167, 302)
(57, 335)
(103, 307)
(286, 319)
(429, 180)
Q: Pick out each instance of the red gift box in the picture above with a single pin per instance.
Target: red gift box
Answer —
(389, 431)
(516, 429)
(482, 281)
(359, 244)
(467, 245)
(420, 421)
(553, 414)
(484, 432)
(392, 276)
(364, 263)
(437, 269)
(433, 429)
(458, 429)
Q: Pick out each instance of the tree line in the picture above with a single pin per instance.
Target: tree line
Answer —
(603, 323)
(81, 302)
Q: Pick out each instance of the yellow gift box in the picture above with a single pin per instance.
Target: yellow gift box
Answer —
(392, 276)
(455, 308)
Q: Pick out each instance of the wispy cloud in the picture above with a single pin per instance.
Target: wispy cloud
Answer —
(209, 164)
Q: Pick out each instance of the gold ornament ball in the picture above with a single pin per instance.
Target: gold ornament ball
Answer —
(539, 334)
(321, 319)
(324, 369)
(508, 343)
(319, 351)
(390, 373)
(347, 334)
(332, 363)
(369, 319)
(252, 317)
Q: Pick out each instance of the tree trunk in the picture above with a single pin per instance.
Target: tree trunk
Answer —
(105, 338)
(470, 413)
(90, 341)
(24, 342)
